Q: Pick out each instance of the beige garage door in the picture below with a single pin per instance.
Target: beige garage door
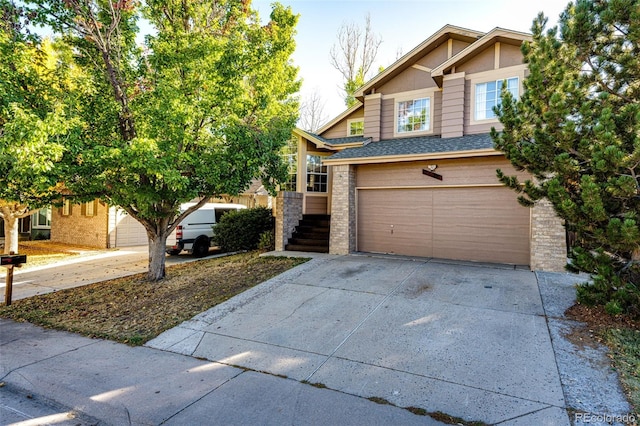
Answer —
(470, 223)
(129, 232)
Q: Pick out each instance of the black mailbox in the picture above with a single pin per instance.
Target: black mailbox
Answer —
(13, 259)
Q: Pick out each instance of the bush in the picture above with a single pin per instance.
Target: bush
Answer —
(241, 229)
(267, 241)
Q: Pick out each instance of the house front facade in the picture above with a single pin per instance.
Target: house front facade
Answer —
(411, 169)
(36, 226)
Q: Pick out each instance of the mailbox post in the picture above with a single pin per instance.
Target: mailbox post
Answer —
(10, 261)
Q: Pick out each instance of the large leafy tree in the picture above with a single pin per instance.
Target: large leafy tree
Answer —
(199, 111)
(33, 124)
(576, 129)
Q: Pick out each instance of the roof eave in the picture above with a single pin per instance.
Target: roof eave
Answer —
(311, 137)
(413, 157)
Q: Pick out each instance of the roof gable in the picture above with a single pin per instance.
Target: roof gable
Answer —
(340, 117)
(496, 35)
(439, 37)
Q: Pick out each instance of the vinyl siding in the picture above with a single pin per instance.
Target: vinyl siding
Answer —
(453, 107)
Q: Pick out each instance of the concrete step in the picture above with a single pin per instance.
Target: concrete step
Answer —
(315, 249)
(309, 241)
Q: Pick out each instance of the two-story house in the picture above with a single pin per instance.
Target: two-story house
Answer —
(411, 169)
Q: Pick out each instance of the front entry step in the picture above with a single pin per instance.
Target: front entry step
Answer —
(311, 234)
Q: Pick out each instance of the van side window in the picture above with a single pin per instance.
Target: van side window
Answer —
(220, 213)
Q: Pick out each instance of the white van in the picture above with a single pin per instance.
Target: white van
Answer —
(194, 234)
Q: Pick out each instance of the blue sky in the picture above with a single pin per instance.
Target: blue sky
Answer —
(402, 25)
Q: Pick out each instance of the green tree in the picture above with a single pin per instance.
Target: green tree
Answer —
(201, 110)
(576, 129)
(33, 123)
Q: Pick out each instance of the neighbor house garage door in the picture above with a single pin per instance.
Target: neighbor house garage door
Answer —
(481, 222)
(125, 230)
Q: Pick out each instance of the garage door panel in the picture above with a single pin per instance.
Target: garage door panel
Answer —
(484, 224)
(472, 223)
(402, 226)
(129, 232)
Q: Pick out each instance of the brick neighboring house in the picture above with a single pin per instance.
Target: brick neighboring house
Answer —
(95, 224)
(410, 169)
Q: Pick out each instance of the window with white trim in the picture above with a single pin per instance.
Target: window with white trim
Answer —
(413, 115)
(41, 219)
(290, 156)
(317, 176)
(488, 96)
(356, 127)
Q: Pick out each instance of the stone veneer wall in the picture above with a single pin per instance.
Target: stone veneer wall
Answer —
(342, 239)
(548, 239)
(288, 215)
(77, 228)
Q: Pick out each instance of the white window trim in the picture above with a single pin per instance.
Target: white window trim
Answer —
(487, 76)
(410, 96)
(306, 175)
(355, 120)
(34, 220)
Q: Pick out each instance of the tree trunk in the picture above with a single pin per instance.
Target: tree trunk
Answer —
(10, 234)
(157, 255)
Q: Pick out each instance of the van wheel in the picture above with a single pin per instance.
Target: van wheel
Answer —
(200, 248)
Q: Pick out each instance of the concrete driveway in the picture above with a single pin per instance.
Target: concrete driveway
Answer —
(464, 339)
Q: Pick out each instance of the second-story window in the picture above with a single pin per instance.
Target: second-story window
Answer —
(356, 127)
(488, 96)
(414, 115)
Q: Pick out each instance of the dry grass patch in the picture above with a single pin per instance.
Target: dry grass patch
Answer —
(133, 311)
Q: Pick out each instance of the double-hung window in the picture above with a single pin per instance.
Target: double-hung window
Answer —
(488, 96)
(317, 176)
(356, 127)
(413, 116)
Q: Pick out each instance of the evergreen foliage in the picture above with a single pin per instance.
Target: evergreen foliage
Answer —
(243, 229)
(576, 129)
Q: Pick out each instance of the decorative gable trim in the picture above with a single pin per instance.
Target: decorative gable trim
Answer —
(444, 33)
(496, 35)
(421, 68)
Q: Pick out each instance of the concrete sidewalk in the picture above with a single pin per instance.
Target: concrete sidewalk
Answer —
(479, 342)
(80, 381)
